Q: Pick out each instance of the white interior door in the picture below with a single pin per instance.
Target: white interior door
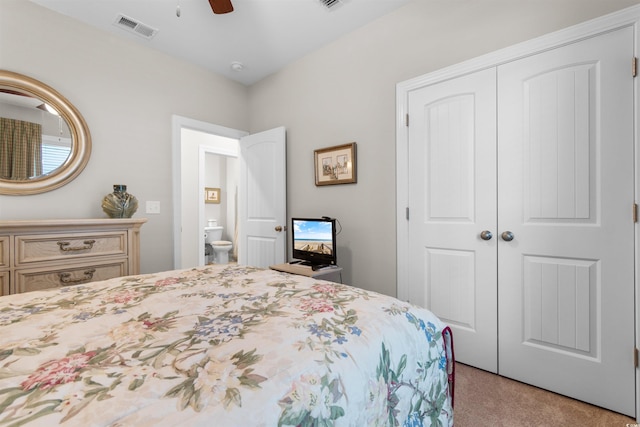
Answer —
(452, 199)
(262, 199)
(566, 174)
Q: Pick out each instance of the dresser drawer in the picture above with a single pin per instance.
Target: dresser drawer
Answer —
(56, 247)
(4, 252)
(50, 253)
(4, 283)
(34, 279)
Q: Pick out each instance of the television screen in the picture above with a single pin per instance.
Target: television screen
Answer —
(314, 240)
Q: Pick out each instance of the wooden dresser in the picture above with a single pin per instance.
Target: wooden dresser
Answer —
(41, 254)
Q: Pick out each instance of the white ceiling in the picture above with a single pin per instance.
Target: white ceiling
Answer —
(263, 35)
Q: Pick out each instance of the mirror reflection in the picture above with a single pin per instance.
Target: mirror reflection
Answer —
(34, 139)
(44, 140)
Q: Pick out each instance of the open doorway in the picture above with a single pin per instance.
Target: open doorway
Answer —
(191, 139)
(218, 174)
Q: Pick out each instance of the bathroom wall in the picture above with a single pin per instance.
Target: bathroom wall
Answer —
(215, 176)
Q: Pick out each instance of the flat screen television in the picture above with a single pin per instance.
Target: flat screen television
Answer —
(314, 241)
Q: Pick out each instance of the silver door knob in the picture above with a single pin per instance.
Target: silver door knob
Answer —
(507, 236)
(486, 235)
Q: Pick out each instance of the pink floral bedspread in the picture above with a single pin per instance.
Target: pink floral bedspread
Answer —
(220, 346)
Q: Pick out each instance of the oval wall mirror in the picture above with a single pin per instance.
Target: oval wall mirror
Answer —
(44, 140)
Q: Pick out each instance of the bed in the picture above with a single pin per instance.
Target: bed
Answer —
(221, 346)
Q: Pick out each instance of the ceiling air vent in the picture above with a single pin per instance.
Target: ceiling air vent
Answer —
(134, 26)
(330, 3)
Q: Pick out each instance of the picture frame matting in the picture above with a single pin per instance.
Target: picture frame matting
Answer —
(335, 165)
(211, 195)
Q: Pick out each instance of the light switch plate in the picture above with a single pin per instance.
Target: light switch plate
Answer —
(153, 207)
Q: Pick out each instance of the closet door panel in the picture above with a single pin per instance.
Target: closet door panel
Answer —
(557, 125)
(565, 191)
(452, 200)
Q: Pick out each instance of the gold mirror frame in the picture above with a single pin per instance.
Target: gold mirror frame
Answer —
(80, 137)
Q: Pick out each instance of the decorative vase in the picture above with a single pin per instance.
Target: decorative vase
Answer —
(119, 204)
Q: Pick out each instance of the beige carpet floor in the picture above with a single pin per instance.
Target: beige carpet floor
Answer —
(484, 399)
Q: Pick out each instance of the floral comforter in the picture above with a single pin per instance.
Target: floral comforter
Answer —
(220, 346)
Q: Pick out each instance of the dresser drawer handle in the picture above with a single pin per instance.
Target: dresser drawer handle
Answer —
(65, 278)
(88, 245)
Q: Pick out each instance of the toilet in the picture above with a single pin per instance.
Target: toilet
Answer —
(213, 236)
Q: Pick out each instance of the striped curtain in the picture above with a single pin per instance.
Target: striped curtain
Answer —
(20, 149)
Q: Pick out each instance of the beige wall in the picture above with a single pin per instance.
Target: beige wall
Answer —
(341, 93)
(346, 92)
(127, 93)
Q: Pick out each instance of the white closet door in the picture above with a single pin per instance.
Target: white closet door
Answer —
(566, 174)
(452, 199)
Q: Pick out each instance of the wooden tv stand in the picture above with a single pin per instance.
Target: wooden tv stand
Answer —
(326, 273)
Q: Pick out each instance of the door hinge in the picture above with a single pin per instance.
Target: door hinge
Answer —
(634, 67)
(407, 213)
(635, 212)
(406, 120)
(635, 357)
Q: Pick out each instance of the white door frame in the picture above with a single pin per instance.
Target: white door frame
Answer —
(177, 124)
(626, 17)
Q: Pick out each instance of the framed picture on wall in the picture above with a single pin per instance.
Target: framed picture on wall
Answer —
(211, 195)
(336, 165)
